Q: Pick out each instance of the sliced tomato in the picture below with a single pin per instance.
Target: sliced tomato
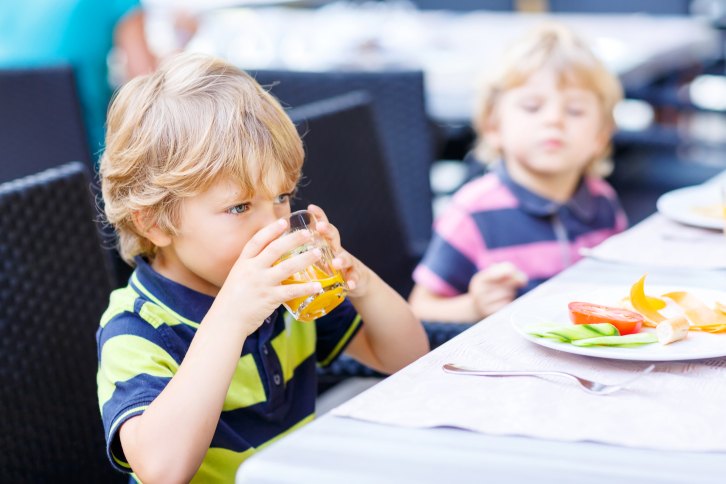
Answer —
(627, 322)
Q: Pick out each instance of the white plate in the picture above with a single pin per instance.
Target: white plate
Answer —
(678, 205)
(553, 309)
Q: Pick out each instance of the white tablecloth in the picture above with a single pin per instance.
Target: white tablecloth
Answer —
(660, 242)
(677, 407)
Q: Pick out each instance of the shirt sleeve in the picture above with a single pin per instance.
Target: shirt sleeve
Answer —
(450, 260)
(335, 331)
(134, 368)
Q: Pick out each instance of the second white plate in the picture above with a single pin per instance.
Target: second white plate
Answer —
(679, 205)
(553, 309)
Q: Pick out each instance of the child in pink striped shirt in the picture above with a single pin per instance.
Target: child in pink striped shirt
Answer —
(545, 123)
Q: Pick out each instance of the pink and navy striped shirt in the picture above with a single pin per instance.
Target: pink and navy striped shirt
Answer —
(493, 219)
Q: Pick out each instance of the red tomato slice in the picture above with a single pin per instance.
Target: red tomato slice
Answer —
(627, 322)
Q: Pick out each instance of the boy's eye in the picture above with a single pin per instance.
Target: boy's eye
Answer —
(531, 107)
(239, 208)
(285, 197)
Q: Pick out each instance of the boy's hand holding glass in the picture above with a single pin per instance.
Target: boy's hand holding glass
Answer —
(252, 290)
(354, 272)
(326, 270)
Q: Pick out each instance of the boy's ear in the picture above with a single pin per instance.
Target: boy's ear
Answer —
(157, 236)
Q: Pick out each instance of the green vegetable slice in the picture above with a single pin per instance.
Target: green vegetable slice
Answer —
(541, 329)
(571, 332)
(627, 341)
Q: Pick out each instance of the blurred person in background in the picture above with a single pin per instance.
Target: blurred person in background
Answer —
(38, 33)
(544, 123)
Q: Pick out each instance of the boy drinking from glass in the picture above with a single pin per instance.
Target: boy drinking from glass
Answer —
(545, 120)
(199, 364)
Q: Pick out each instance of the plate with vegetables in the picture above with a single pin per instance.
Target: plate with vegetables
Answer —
(664, 323)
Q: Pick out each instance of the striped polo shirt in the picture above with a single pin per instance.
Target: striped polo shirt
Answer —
(493, 219)
(145, 334)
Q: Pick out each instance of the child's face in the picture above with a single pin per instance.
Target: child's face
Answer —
(214, 228)
(548, 129)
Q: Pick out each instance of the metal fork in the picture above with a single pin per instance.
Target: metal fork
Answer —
(589, 386)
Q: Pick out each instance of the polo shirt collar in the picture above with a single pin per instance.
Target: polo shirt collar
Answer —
(187, 303)
(582, 204)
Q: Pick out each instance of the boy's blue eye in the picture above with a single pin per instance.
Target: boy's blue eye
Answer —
(238, 208)
(285, 197)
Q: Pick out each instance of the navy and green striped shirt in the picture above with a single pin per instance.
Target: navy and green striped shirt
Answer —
(145, 334)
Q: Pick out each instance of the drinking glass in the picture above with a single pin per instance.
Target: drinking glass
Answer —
(309, 308)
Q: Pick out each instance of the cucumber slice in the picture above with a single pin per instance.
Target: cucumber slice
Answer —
(627, 341)
(542, 329)
(571, 332)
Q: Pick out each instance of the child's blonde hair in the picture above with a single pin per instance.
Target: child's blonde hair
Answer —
(550, 46)
(174, 133)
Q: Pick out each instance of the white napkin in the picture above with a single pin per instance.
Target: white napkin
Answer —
(660, 242)
(679, 406)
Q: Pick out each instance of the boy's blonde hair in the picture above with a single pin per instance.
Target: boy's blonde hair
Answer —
(550, 46)
(174, 133)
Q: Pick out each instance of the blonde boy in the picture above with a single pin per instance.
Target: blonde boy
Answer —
(199, 365)
(545, 118)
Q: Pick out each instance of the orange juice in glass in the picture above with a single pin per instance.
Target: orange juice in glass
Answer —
(309, 308)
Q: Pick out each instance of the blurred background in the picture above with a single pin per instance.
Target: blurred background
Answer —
(667, 53)
(382, 93)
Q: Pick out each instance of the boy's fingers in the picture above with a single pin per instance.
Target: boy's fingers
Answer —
(331, 234)
(342, 261)
(502, 272)
(326, 229)
(498, 271)
(294, 264)
(510, 282)
(292, 291)
(521, 279)
(262, 238)
(283, 245)
(351, 278)
(318, 212)
(492, 295)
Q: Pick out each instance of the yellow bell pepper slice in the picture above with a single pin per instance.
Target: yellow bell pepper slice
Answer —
(642, 305)
(655, 302)
(720, 307)
(696, 311)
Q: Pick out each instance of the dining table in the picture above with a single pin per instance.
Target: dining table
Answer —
(423, 425)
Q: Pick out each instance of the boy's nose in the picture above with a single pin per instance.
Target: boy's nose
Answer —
(554, 114)
(268, 216)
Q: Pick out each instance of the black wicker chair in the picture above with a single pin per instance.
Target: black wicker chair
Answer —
(40, 121)
(345, 174)
(54, 286)
(405, 132)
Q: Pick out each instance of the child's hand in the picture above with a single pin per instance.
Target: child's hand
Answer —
(252, 290)
(495, 287)
(356, 274)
